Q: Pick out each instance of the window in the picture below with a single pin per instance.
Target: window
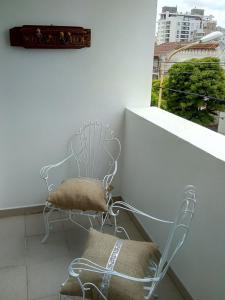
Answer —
(185, 28)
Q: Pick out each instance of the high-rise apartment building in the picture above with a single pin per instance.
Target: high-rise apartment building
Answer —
(209, 24)
(183, 27)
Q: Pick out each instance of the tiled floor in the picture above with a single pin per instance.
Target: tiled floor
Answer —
(30, 270)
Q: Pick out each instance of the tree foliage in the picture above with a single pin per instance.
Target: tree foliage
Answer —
(155, 93)
(197, 76)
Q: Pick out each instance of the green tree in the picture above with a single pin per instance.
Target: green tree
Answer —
(189, 80)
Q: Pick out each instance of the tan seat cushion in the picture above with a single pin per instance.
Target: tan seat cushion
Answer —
(80, 193)
(133, 260)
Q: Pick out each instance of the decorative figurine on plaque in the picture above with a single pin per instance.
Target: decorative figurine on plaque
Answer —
(50, 37)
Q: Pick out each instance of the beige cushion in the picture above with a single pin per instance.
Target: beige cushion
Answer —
(133, 260)
(80, 193)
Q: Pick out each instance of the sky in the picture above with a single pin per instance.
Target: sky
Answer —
(212, 7)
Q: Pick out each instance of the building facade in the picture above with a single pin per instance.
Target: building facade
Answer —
(183, 27)
(209, 24)
(162, 52)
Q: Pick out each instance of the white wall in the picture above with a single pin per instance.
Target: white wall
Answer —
(46, 94)
(158, 163)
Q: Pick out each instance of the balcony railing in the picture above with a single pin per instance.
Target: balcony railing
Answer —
(162, 153)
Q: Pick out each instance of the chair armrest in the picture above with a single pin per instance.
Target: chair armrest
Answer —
(107, 180)
(125, 206)
(44, 171)
(84, 264)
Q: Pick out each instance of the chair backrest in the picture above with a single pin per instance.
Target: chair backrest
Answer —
(179, 230)
(178, 233)
(96, 151)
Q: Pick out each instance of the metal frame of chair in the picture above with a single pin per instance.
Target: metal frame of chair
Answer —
(179, 230)
(88, 148)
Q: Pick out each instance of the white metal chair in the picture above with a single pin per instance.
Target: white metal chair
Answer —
(177, 236)
(93, 152)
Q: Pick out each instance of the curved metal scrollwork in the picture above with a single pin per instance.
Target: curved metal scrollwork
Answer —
(95, 150)
(179, 230)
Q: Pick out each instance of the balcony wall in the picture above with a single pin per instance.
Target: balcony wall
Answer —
(46, 95)
(162, 154)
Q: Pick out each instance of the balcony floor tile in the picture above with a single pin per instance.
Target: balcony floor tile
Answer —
(30, 270)
(13, 283)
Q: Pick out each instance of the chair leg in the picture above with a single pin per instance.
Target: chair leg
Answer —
(46, 222)
(120, 229)
(108, 220)
(105, 220)
(90, 221)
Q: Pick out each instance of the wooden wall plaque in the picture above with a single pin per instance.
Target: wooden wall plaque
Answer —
(50, 37)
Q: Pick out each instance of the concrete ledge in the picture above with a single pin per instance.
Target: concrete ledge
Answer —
(201, 137)
(162, 154)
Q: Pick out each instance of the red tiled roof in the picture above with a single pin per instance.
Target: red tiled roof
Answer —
(205, 46)
(168, 47)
